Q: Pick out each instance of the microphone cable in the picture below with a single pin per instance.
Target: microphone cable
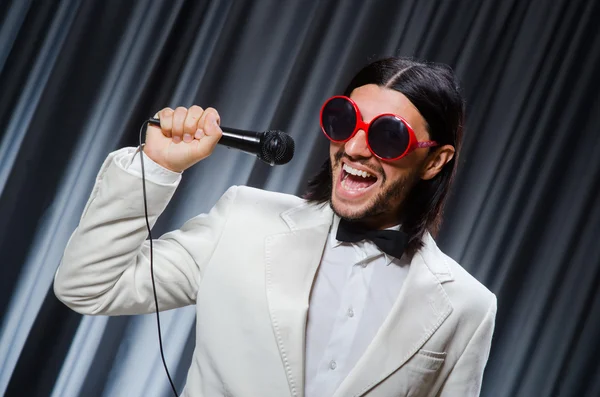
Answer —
(162, 354)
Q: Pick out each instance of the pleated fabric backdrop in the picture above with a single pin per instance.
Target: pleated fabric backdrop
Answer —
(77, 78)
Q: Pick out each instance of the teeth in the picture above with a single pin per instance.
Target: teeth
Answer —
(356, 172)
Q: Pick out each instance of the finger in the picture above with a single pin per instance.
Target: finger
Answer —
(165, 117)
(178, 120)
(190, 125)
(209, 125)
(209, 116)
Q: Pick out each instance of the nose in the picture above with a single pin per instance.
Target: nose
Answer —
(357, 146)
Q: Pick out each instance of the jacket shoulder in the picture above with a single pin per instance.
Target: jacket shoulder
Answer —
(250, 194)
(263, 203)
(468, 295)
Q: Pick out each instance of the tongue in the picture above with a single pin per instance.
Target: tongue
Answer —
(354, 182)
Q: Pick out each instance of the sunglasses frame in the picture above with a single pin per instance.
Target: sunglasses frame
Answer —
(413, 143)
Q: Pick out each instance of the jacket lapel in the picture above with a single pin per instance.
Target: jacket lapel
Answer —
(420, 309)
(291, 261)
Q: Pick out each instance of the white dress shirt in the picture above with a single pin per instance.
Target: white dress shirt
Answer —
(354, 290)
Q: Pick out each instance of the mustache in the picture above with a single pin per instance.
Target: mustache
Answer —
(339, 155)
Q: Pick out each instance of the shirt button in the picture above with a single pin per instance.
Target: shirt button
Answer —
(363, 265)
(350, 312)
(333, 364)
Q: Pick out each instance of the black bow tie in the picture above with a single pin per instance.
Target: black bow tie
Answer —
(392, 242)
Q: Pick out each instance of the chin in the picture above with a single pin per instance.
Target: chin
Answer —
(347, 210)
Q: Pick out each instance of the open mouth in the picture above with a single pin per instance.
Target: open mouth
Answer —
(355, 180)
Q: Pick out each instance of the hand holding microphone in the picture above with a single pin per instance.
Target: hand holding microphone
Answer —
(187, 136)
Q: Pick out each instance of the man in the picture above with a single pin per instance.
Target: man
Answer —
(343, 293)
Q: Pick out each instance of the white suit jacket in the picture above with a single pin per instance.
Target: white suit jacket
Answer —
(248, 266)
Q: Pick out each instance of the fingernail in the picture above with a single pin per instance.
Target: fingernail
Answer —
(187, 138)
(176, 139)
(199, 134)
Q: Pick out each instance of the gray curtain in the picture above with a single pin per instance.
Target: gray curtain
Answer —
(78, 77)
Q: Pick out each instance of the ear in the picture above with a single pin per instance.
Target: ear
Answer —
(436, 161)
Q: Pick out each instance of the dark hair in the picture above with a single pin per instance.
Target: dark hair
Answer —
(433, 90)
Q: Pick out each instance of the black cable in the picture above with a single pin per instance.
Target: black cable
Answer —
(162, 354)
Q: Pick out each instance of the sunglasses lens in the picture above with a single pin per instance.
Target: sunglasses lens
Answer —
(338, 119)
(388, 137)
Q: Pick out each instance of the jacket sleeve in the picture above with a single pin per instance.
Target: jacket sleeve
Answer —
(466, 376)
(105, 268)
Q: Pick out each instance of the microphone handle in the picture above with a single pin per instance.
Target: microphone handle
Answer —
(241, 140)
(233, 138)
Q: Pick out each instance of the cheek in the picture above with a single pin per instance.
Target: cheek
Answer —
(399, 170)
(405, 166)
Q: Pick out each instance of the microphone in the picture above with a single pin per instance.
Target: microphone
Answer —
(273, 147)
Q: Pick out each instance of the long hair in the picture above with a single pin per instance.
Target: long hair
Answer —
(433, 90)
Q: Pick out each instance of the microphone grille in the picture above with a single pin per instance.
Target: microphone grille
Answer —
(277, 147)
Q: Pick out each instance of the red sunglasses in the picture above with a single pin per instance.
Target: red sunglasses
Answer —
(389, 137)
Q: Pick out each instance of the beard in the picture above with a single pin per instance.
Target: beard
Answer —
(382, 205)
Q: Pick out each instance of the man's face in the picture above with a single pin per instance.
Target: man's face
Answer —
(375, 200)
